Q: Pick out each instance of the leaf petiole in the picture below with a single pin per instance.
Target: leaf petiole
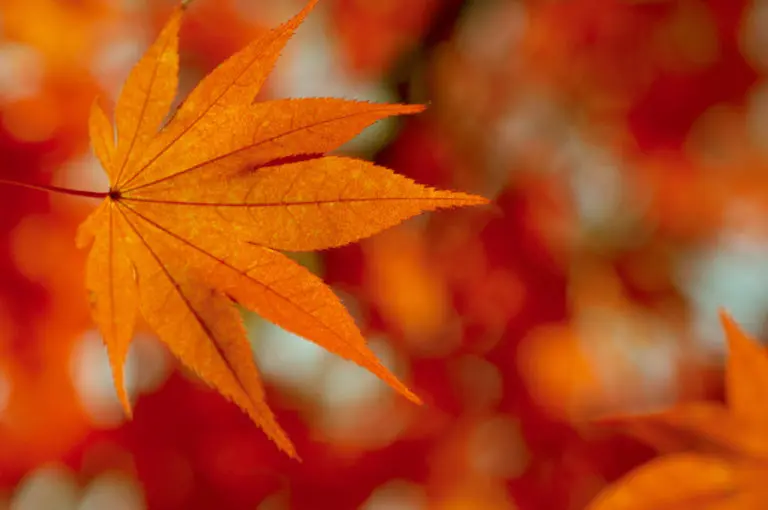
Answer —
(56, 189)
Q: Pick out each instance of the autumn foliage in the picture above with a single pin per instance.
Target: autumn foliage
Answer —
(195, 212)
(227, 243)
(726, 467)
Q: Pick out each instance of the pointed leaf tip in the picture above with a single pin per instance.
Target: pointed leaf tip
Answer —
(730, 326)
(414, 398)
(746, 373)
(411, 109)
(724, 315)
(308, 8)
(735, 336)
(122, 393)
(298, 19)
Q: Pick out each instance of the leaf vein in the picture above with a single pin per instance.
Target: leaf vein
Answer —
(236, 151)
(225, 263)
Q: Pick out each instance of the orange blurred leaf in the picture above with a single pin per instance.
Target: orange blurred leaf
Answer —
(672, 482)
(196, 210)
(746, 376)
(730, 466)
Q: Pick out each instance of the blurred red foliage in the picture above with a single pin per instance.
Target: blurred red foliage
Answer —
(622, 142)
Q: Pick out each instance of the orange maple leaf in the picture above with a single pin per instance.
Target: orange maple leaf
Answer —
(727, 465)
(196, 209)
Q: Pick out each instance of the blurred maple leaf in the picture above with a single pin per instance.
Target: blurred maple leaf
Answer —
(729, 464)
(196, 210)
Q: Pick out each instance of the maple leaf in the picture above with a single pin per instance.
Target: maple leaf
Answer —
(197, 207)
(728, 464)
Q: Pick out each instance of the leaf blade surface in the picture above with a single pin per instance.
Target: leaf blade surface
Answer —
(199, 325)
(196, 206)
(308, 205)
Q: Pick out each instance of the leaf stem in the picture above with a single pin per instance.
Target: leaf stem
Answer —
(56, 189)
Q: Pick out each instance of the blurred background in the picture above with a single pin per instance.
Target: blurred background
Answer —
(625, 146)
